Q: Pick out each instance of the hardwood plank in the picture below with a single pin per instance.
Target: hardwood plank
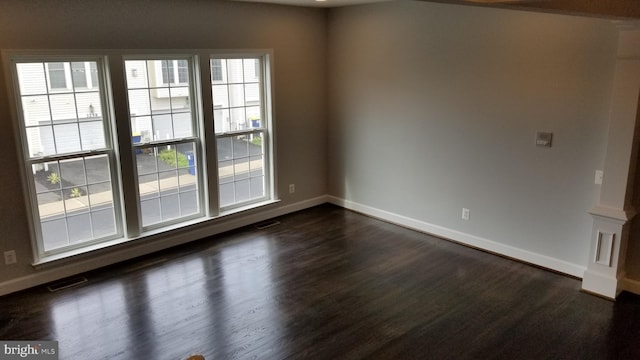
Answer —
(326, 283)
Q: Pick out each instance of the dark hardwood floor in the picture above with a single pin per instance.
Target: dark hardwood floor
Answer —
(325, 284)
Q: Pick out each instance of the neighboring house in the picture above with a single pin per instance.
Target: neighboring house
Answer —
(162, 113)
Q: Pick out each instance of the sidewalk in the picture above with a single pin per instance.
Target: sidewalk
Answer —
(57, 208)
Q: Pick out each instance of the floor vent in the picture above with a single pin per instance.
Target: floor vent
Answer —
(67, 283)
(267, 224)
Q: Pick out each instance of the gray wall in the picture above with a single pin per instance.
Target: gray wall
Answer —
(296, 35)
(435, 107)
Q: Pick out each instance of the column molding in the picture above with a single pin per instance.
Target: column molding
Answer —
(613, 214)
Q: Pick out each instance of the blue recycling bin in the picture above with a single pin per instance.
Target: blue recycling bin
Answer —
(136, 140)
(192, 162)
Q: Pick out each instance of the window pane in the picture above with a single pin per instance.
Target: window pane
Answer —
(40, 139)
(238, 119)
(252, 94)
(164, 173)
(67, 192)
(236, 95)
(235, 71)
(139, 102)
(68, 112)
(36, 110)
(63, 107)
(32, 79)
(158, 113)
(240, 168)
(220, 96)
(67, 138)
(89, 105)
(251, 70)
(91, 135)
(136, 74)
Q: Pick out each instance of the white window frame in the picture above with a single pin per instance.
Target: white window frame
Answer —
(266, 129)
(27, 160)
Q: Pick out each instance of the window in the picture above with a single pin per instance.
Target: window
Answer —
(166, 142)
(69, 155)
(174, 69)
(240, 131)
(79, 75)
(83, 196)
(167, 72)
(57, 76)
(216, 70)
(183, 71)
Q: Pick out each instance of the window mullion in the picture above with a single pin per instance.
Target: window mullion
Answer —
(128, 171)
(210, 146)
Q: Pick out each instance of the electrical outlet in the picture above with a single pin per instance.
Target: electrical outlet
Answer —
(465, 214)
(292, 188)
(10, 257)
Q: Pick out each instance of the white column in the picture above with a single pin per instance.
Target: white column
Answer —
(612, 214)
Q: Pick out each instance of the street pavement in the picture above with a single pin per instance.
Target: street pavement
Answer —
(171, 194)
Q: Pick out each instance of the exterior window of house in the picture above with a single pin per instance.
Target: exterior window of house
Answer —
(84, 197)
(79, 75)
(167, 72)
(166, 141)
(57, 75)
(216, 70)
(69, 156)
(173, 70)
(93, 74)
(241, 132)
(183, 71)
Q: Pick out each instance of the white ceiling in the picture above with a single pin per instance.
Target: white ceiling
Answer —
(314, 3)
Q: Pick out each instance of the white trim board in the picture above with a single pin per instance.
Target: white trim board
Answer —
(465, 239)
(89, 263)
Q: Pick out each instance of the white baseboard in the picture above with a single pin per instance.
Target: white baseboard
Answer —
(466, 239)
(83, 264)
(601, 284)
(89, 263)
